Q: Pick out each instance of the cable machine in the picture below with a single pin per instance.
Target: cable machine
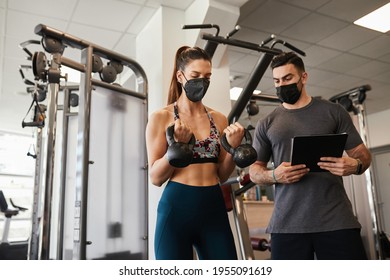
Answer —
(353, 101)
(48, 71)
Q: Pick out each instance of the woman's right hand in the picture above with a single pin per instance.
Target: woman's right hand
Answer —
(234, 134)
(183, 132)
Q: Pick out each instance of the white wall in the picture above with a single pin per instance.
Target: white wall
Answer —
(218, 95)
(378, 129)
(156, 48)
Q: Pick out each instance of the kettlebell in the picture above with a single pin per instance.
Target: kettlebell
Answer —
(252, 108)
(179, 154)
(244, 155)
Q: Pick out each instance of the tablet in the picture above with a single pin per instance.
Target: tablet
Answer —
(309, 149)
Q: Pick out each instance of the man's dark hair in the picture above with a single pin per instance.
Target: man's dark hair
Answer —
(288, 58)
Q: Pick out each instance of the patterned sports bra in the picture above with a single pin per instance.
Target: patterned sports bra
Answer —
(206, 150)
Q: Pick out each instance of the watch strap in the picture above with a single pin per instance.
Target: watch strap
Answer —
(359, 167)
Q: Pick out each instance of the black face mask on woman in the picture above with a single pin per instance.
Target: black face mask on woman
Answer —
(289, 93)
(196, 88)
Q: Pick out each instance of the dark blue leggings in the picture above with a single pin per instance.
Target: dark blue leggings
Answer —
(193, 217)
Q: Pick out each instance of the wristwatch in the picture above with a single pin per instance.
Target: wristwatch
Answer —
(359, 167)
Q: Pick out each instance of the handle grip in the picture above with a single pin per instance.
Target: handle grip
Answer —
(32, 124)
(291, 47)
(194, 26)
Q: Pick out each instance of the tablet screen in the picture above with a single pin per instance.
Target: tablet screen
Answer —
(309, 149)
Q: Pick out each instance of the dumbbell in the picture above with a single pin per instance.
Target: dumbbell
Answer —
(260, 244)
(179, 154)
(244, 155)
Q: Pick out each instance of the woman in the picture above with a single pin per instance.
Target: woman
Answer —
(191, 211)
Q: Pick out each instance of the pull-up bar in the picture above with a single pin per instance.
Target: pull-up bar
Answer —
(240, 44)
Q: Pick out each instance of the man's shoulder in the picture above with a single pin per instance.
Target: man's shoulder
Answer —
(274, 113)
(327, 105)
(323, 102)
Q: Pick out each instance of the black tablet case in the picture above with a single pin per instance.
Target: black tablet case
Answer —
(309, 149)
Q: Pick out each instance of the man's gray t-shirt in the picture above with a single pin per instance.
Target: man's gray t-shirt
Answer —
(318, 202)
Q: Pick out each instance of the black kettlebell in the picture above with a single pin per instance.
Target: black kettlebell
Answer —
(252, 108)
(179, 154)
(244, 155)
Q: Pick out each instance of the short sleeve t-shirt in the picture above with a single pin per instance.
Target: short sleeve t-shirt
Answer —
(318, 202)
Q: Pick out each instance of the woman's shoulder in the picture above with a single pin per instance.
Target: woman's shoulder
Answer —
(218, 117)
(162, 115)
(215, 113)
(164, 111)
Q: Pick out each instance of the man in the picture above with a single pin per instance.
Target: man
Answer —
(312, 216)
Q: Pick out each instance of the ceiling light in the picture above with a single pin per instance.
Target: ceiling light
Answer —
(236, 91)
(378, 20)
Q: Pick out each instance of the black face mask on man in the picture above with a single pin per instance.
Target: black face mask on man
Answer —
(289, 93)
(196, 88)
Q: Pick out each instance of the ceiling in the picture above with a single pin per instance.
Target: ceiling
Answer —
(339, 54)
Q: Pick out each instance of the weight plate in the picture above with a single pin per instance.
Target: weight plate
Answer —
(39, 65)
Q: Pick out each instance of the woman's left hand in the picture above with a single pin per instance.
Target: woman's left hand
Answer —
(234, 134)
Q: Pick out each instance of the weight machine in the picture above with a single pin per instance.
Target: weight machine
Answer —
(353, 101)
(92, 94)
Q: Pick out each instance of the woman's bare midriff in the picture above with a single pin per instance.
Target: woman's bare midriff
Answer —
(199, 174)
